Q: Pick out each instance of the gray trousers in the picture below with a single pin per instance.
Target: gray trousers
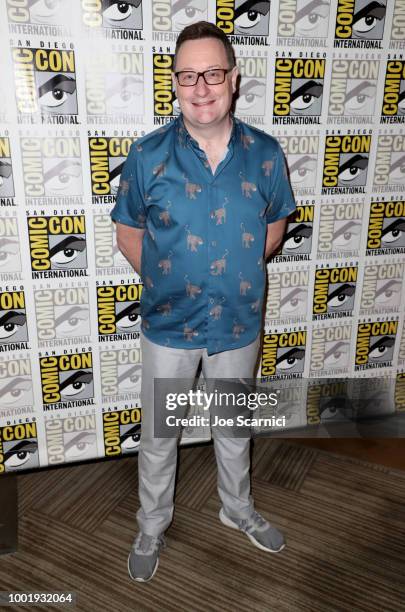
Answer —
(157, 458)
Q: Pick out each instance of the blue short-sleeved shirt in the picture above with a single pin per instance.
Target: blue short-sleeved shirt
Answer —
(202, 253)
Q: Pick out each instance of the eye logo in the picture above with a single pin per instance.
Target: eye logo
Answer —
(353, 88)
(303, 19)
(298, 89)
(394, 91)
(361, 22)
(122, 431)
(6, 169)
(386, 228)
(346, 164)
(334, 291)
(252, 91)
(113, 14)
(20, 447)
(283, 354)
(243, 17)
(118, 310)
(57, 244)
(298, 237)
(375, 344)
(13, 319)
(67, 378)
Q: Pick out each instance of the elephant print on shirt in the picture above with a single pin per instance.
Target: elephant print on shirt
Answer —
(216, 310)
(237, 329)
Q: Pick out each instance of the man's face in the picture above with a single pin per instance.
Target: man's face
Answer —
(202, 104)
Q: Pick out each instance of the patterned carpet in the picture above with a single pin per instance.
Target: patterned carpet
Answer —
(344, 520)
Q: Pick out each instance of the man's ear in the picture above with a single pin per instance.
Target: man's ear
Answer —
(234, 78)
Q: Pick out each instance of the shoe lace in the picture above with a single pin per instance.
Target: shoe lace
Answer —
(146, 543)
(253, 522)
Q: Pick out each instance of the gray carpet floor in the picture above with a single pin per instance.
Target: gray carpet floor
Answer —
(344, 520)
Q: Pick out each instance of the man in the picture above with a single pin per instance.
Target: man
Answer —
(202, 203)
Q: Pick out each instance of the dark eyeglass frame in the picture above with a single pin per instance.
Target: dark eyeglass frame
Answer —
(224, 71)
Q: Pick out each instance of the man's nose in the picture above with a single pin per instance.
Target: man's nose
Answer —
(201, 86)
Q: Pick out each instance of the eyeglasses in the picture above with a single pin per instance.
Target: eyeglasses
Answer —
(189, 78)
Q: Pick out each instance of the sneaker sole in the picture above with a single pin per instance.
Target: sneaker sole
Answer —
(226, 521)
(142, 579)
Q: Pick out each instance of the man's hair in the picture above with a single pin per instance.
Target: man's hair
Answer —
(205, 29)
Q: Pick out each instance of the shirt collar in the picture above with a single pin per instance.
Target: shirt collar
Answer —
(184, 137)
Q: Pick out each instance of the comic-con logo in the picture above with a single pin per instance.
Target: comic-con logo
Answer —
(399, 394)
(340, 227)
(45, 82)
(401, 354)
(386, 228)
(10, 262)
(360, 23)
(165, 104)
(62, 315)
(398, 25)
(375, 344)
(330, 350)
(389, 170)
(115, 17)
(72, 438)
(118, 309)
(58, 246)
(251, 101)
(13, 321)
(114, 86)
(299, 20)
(15, 387)
(41, 12)
(298, 90)
(353, 89)
(297, 240)
(287, 296)
(52, 170)
(174, 16)
(107, 157)
(18, 447)
(382, 288)
(108, 257)
(120, 372)
(327, 402)
(283, 354)
(122, 431)
(244, 18)
(67, 380)
(302, 159)
(346, 163)
(393, 107)
(6, 170)
(334, 292)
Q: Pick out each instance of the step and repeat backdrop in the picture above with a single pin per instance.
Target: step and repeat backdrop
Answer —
(81, 81)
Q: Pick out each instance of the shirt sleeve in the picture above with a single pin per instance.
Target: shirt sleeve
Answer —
(130, 206)
(282, 202)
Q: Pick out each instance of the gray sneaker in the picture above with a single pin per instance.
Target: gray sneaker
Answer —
(143, 559)
(258, 530)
